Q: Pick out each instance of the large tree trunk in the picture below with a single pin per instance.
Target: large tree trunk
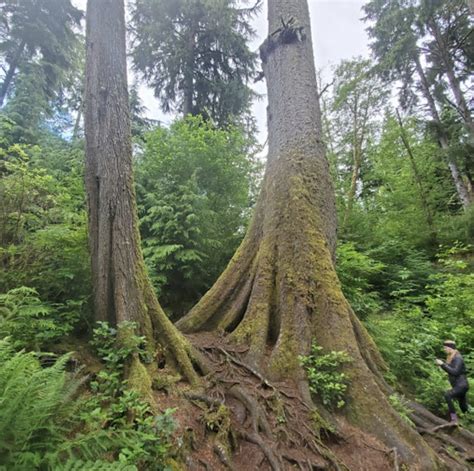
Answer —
(281, 290)
(122, 290)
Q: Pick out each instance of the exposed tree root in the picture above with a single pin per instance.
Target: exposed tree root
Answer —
(450, 440)
(269, 415)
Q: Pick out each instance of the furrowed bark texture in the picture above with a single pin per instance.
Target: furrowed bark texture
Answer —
(281, 290)
(122, 290)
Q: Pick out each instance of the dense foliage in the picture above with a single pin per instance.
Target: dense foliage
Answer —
(196, 185)
(55, 429)
(195, 55)
(405, 257)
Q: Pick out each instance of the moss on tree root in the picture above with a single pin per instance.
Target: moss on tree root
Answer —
(295, 296)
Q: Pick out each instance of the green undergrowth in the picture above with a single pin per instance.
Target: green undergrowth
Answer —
(326, 381)
(48, 422)
(31, 323)
(411, 335)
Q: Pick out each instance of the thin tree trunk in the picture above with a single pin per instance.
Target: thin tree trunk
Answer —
(419, 181)
(281, 290)
(188, 101)
(359, 133)
(122, 290)
(356, 166)
(77, 123)
(462, 191)
(445, 55)
(11, 72)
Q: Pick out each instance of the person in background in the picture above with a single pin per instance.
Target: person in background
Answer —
(454, 366)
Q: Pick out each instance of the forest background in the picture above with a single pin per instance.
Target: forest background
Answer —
(399, 137)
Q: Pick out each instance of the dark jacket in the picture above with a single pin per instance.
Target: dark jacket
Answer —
(456, 371)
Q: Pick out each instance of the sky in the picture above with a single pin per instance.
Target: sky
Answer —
(338, 33)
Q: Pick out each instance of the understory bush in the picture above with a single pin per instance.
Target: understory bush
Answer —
(32, 324)
(196, 185)
(411, 336)
(46, 425)
(122, 410)
(357, 273)
(325, 378)
(43, 239)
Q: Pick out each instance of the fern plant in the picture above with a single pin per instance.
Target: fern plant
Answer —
(43, 426)
(32, 407)
(31, 323)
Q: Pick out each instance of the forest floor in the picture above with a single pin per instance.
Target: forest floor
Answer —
(240, 421)
(243, 422)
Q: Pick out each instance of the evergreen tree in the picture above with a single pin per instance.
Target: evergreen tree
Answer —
(195, 55)
(37, 31)
(195, 189)
(122, 289)
(281, 290)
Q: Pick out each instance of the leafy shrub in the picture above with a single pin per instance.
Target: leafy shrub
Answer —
(451, 297)
(325, 379)
(43, 240)
(195, 187)
(118, 410)
(411, 337)
(30, 323)
(356, 272)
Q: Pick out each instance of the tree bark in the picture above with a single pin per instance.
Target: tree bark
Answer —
(11, 72)
(122, 290)
(188, 92)
(281, 290)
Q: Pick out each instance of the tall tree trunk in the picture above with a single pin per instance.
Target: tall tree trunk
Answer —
(122, 290)
(419, 182)
(11, 72)
(461, 189)
(356, 167)
(453, 81)
(77, 123)
(281, 290)
(188, 92)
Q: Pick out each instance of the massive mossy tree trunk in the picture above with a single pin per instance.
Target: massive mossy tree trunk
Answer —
(281, 290)
(122, 290)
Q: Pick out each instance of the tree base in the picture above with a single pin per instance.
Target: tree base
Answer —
(238, 419)
(241, 420)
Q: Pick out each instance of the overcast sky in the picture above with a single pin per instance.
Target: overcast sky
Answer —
(338, 33)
